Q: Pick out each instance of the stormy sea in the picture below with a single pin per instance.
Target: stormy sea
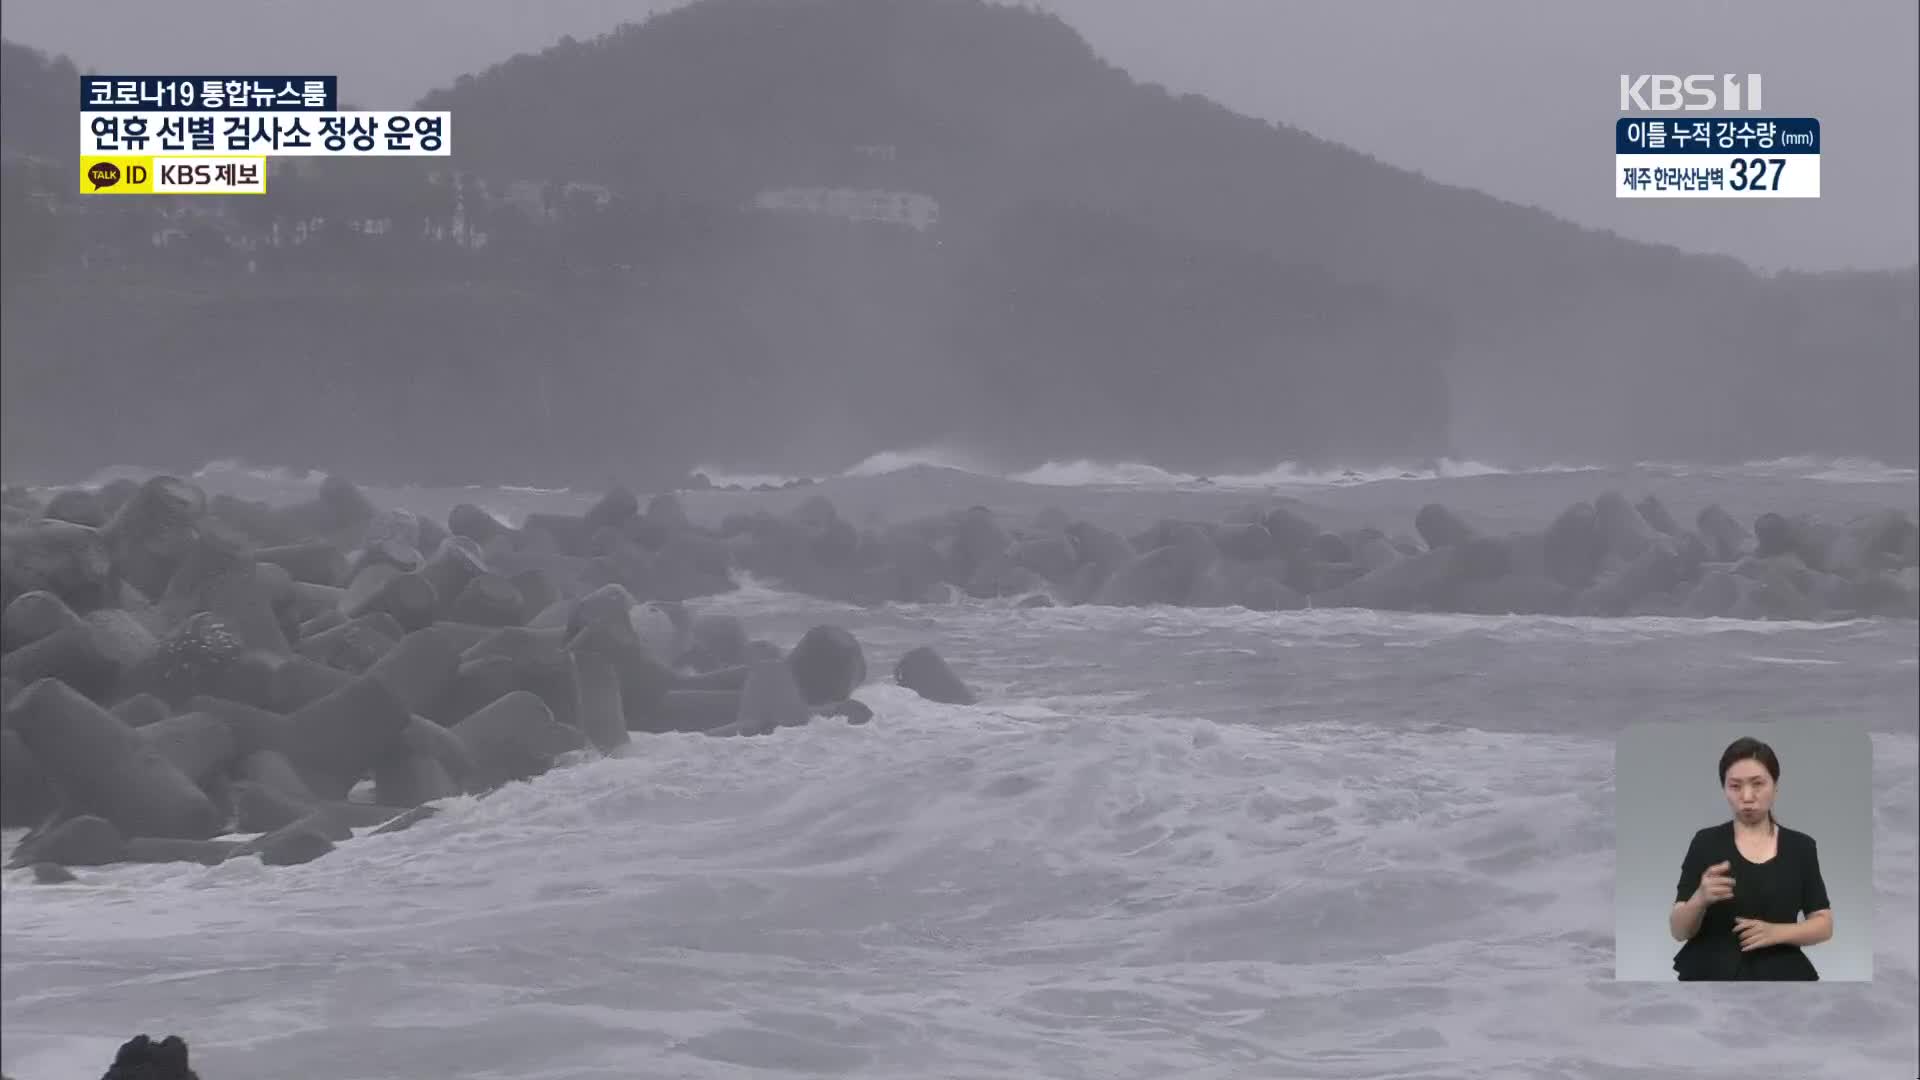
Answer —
(1167, 843)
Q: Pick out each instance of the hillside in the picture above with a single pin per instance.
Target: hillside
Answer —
(1574, 343)
(1115, 273)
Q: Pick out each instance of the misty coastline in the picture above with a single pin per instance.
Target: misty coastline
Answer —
(868, 538)
(890, 249)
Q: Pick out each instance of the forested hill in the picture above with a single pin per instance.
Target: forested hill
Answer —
(1574, 343)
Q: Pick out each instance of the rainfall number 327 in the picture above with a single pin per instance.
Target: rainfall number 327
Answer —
(1741, 167)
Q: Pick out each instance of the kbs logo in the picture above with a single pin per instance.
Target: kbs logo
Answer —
(1688, 93)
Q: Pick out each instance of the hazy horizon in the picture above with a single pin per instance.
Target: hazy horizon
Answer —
(1554, 80)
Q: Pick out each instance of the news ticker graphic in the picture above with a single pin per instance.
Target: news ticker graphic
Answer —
(1716, 157)
(208, 93)
(212, 135)
(280, 134)
(191, 175)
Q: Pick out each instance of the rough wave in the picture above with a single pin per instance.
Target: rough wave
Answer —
(237, 475)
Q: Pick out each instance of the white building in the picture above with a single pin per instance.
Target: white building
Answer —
(855, 204)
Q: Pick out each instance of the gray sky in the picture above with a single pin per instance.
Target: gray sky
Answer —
(1513, 97)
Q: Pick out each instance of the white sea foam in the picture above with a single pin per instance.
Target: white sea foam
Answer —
(956, 892)
(1169, 842)
(1086, 473)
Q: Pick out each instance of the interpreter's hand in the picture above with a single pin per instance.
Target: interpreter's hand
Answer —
(1755, 934)
(1716, 884)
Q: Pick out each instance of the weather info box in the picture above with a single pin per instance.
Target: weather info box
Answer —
(1716, 157)
(165, 126)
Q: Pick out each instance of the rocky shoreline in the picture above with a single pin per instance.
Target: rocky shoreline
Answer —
(181, 670)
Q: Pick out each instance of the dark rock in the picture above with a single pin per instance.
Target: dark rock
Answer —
(314, 562)
(690, 710)
(977, 539)
(1291, 533)
(70, 561)
(407, 596)
(153, 849)
(355, 644)
(473, 523)
(1624, 531)
(1513, 594)
(514, 738)
(1772, 536)
(410, 779)
(47, 873)
(1654, 513)
(26, 795)
(1575, 546)
(299, 682)
(1050, 557)
(1052, 520)
(292, 845)
(33, 616)
(106, 768)
(772, 699)
(1660, 567)
(1164, 575)
(1715, 595)
(666, 512)
(140, 1058)
(1263, 593)
(77, 506)
(1871, 542)
(1440, 527)
(431, 740)
(488, 600)
(340, 738)
(726, 678)
(340, 817)
(197, 657)
(153, 531)
(262, 810)
(454, 565)
(1420, 583)
(1334, 548)
(251, 727)
(94, 657)
(476, 684)
(1484, 558)
(567, 533)
(614, 509)
(420, 668)
(602, 716)
(715, 642)
(201, 745)
(925, 672)
(1248, 542)
(1002, 578)
(827, 664)
(78, 841)
(1370, 553)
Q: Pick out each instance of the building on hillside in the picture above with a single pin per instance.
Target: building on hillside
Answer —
(856, 204)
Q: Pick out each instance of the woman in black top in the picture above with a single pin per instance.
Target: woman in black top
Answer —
(1745, 883)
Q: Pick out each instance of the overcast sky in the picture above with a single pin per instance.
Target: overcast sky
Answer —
(1513, 97)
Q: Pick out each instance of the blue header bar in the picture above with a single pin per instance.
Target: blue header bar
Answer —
(1716, 135)
(209, 93)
